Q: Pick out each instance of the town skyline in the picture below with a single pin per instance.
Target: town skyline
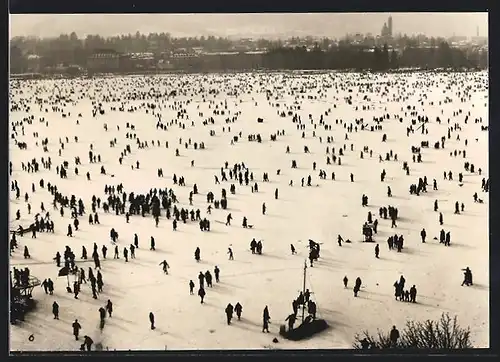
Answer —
(271, 26)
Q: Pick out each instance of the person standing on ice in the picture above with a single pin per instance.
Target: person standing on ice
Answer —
(228, 219)
(197, 254)
(229, 313)
(238, 309)
(436, 207)
(117, 253)
(413, 294)
(102, 316)
(264, 208)
(230, 252)
(423, 234)
(136, 241)
(165, 266)
(191, 287)
(208, 279)
(345, 280)
(109, 308)
(104, 251)
(55, 310)
(152, 246)
(265, 320)
(76, 329)
(76, 289)
(216, 273)
(394, 336)
(201, 278)
(357, 286)
(125, 254)
(201, 294)
(377, 251)
(441, 218)
(152, 320)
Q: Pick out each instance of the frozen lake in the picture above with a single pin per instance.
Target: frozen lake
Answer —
(321, 212)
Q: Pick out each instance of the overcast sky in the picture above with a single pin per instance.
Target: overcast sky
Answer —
(250, 25)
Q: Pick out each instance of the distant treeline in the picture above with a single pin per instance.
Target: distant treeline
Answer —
(377, 59)
(69, 50)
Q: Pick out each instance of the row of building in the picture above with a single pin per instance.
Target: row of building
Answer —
(111, 61)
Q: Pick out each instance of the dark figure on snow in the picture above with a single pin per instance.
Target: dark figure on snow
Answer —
(55, 310)
(76, 329)
(238, 309)
(413, 294)
(216, 273)
(201, 294)
(109, 308)
(345, 280)
(165, 266)
(423, 234)
(467, 277)
(87, 342)
(394, 336)
(229, 313)
(191, 287)
(152, 320)
(265, 320)
(291, 320)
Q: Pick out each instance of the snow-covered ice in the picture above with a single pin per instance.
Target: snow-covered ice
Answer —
(321, 212)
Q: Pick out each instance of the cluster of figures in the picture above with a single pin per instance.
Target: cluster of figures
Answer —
(404, 295)
(21, 277)
(304, 301)
(314, 249)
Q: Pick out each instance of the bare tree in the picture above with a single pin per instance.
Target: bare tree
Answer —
(444, 333)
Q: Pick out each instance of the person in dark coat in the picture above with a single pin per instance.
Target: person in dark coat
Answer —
(265, 320)
(201, 294)
(345, 280)
(109, 308)
(394, 336)
(413, 294)
(87, 342)
(216, 273)
(423, 234)
(76, 329)
(238, 309)
(102, 316)
(58, 259)
(377, 251)
(229, 313)
(55, 310)
(152, 320)
(191, 287)
(291, 321)
(197, 254)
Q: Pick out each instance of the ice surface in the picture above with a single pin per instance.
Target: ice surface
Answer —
(320, 212)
